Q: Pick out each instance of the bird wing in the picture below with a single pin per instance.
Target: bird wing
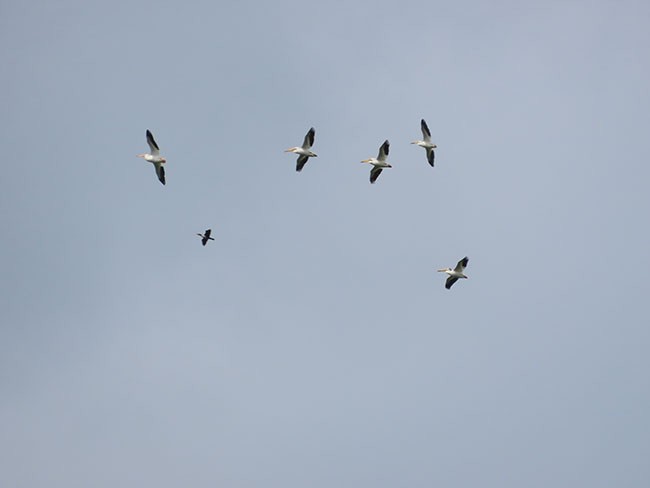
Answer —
(426, 133)
(204, 240)
(309, 139)
(450, 281)
(374, 174)
(383, 151)
(160, 171)
(152, 144)
(300, 162)
(462, 264)
(207, 233)
(430, 156)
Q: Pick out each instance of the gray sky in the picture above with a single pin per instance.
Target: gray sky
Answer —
(312, 344)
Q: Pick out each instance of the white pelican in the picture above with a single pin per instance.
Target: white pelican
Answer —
(456, 273)
(154, 157)
(304, 151)
(206, 237)
(378, 163)
(426, 143)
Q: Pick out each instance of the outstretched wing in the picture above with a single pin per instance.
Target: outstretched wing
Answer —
(152, 144)
(374, 174)
(383, 151)
(426, 133)
(450, 281)
(309, 139)
(462, 264)
(160, 171)
(300, 162)
(430, 156)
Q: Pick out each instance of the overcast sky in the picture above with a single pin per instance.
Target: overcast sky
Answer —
(313, 344)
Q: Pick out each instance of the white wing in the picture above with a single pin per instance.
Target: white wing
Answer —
(383, 151)
(426, 133)
(152, 144)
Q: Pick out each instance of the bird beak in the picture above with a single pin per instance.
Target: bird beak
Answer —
(441, 270)
(365, 161)
(289, 150)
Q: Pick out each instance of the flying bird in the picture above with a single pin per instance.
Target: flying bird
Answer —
(206, 237)
(456, 273)
(155, 157)
(378, 163)
(304, 151)
(426, 143)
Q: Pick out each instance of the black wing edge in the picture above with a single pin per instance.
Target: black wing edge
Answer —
(374, 174)
(425, 127)
(300, 163)
(385, 146)
(161, 174)
(310, 136)
(450, 282)
(431, 156)
(151, 140)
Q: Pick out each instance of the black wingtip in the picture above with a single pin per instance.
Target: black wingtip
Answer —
(425, 127)
(300, 163)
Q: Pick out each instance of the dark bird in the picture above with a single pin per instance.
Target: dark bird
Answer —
(206, 237)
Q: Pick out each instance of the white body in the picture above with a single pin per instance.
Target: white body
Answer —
(154, 157)
(426, 143)
(379, 163)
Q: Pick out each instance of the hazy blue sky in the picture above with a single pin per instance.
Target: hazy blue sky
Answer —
(312, 344)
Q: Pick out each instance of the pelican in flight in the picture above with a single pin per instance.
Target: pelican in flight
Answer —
(378, 163)
(206, 237)
(456, 273)
(426, 143)
(304, 150)
(155, 157)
